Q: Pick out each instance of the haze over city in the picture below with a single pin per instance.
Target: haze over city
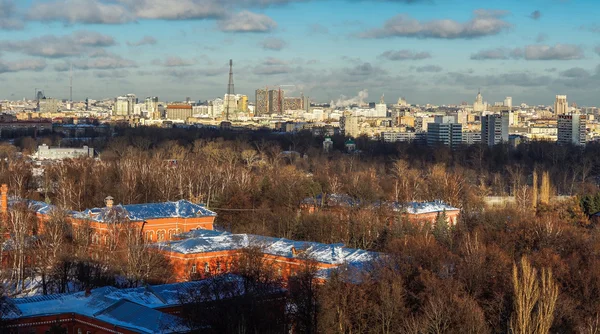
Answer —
(430, 51)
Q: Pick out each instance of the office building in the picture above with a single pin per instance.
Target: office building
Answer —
(494, 129)
(179, 112)
(444, 131)
(561, 107)
(571, 129)
(508, 102)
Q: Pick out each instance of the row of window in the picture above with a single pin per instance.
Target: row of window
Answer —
(207, 268)
(161, 234)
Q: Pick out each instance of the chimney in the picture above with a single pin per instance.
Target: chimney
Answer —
(294, 252)
(4, 199)
(109, 201)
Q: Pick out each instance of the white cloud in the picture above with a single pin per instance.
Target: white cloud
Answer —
(246, 21)
(483, 23)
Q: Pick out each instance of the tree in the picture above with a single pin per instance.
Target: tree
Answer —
(534, 302)
(250, 301)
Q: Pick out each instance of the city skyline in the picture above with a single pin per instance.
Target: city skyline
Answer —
(429, 51)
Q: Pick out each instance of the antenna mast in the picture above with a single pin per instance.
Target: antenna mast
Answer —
(230, 89)
(71, 86)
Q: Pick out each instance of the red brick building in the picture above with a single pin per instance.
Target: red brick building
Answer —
(203, 253)
(417, 212)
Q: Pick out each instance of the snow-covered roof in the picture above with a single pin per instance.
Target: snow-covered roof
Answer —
(410, 207)
(135, 212)
(134, 308)
(143, 212)
(416, 208)
(37, 206)
(128, 308)
(207, 241)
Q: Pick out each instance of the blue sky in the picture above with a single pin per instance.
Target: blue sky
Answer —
(429, 51)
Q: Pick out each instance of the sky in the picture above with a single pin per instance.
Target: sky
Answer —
(427, 51)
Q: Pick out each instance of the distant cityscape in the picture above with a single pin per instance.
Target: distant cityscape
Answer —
(277, 108)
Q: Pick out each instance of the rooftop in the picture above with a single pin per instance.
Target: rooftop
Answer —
(135, 212)
(409, 207)
(207, 241)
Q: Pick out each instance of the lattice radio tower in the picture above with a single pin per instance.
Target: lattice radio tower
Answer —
(230, 89)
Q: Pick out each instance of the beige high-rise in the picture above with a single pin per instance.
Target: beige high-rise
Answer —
(561, 107)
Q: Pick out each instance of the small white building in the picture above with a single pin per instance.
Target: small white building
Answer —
(45, 152)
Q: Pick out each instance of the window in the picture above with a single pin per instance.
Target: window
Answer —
(160, 235)
(95, 239)
(171, 234)
(218, 267)
(193, 268)
(206, 267)
(150, 236)
(79, 331)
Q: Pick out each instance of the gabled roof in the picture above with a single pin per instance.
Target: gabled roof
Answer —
(135, 308)
(409, 207)
(134, 212)
(143, 212)
(37, 206)
(207, 241)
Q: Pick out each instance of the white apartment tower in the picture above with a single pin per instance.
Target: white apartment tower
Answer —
(381, 108)
(571, 129)
(561, 107)
(125, 105)
(508, 102)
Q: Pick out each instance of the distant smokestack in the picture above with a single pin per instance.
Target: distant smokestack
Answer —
(4, 199)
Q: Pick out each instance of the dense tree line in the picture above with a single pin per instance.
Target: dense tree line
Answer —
(434, 279)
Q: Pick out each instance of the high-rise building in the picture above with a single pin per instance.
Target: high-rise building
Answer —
(349, 124)
(215, 108)
(508, 102)
(262, 105)
(478, 105)
(381, 108)
(124, 105)
(151, 106)
(561, 107)
(275, 101)
(494, 129)
(571, 129)
(444, 131)
(230, 102)
(48, 105)
(269, 101)
(243, 103)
